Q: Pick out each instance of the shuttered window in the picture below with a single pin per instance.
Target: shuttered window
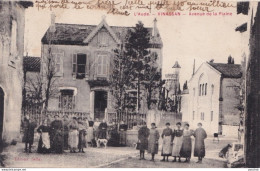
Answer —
(79, 65)
(58, 59)
(102, 65)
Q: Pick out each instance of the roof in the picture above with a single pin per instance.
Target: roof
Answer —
(176, 65)
(75, 34)
(228, 70)
(32, 64)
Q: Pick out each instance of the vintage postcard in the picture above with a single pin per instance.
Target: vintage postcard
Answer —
(129, 84)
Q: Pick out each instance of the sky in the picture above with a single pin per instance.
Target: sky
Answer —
(184, 37)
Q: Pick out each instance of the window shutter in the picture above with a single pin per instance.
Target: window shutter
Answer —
(86, 66)
(74, 63)
(104, 65)
(99, 64)
(61, 63)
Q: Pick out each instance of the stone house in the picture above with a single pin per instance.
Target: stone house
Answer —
(11, 60)
(214, 97)
(84, 60)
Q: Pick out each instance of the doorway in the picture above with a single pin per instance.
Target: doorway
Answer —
(1, 113)
(100, 104)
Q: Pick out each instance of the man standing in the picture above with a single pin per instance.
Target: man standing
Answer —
(199, 149)
(28, 126)
(143, 134)
(57, 135)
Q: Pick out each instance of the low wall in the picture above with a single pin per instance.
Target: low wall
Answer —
(230, 131)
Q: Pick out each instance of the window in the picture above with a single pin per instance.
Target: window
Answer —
(58, 63)
(102, 37)
(202, 90)
(67, 100)
(206, 88)
(193, 115)
(211, 115)
(79, 64)
(202, 116)
(102, 66)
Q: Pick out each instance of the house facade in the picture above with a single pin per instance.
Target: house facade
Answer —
(214, 97)
(84, 63)
(11, 60)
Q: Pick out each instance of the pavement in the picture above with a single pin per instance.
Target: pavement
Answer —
(111, 157)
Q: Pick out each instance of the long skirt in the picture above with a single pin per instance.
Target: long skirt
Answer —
(122, 137)
(90, 135)
(102, 134)
(58, 142)
(177, 143)
(44, 143)
(143, 145)
(82, 139)
(199, 148)
(66, 139)
(73, 139)
(166, 146)
(186, 147)
(152, 147)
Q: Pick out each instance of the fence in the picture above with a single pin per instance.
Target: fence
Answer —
(35, 111)
(131, 119)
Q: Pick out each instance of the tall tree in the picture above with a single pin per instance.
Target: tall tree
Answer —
(137, 48)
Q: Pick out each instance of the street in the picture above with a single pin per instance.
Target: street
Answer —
(111, 157)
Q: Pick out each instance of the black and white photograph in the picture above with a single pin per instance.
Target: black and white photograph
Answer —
(129, 84)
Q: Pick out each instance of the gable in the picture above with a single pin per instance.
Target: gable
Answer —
(102, 38)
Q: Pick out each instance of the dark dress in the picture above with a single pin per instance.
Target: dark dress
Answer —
(122, 134)
(186, 144)
(114, 137)
(56, 136)
(41, 147)
(28, 128)
(143, 135)
(102, 131)
(199, 148)
(66, 134)
(82, 134)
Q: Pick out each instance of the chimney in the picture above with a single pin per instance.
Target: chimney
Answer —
(155, 30)
(52, 27)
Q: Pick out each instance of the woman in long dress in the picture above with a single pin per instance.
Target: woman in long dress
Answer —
(44, 141)
(73, 135)
(199, 148)
(167, 137)
(90, 135)
(186, 144)
(177, 142)
(143, 134)
(57, 135)
(122, 133)
(153, 141)
(82, 135)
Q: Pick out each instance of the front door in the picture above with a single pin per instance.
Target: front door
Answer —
(1, 113)
(100, 104)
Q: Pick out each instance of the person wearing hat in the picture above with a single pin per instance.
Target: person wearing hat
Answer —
(56, 130)
(186, 144)
(153, 141)
(73, 135)
(143, 134)
(199, 148)
(167, 137)
(177, 141)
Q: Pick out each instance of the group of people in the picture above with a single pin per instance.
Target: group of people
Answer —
(72, 134)
(176, 143)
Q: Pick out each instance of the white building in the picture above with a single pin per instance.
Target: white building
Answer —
(213, 98)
